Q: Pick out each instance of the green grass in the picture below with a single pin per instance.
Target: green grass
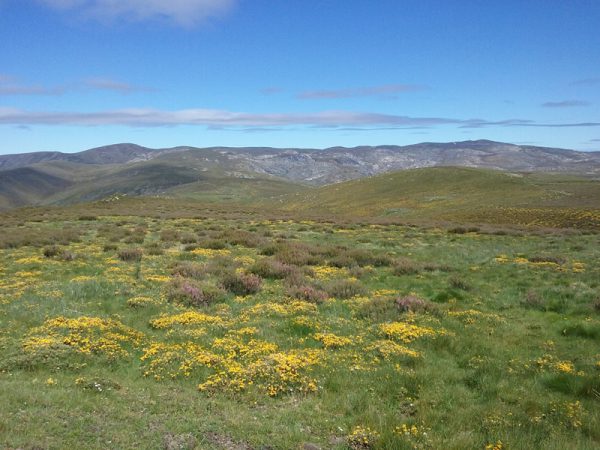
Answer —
(191, 177)
(461, 195)
(512, 356)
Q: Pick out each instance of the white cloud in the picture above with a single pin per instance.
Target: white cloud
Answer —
(181, 12)
(386, 90)
(109, 84)
(142, 117)
(10, 85)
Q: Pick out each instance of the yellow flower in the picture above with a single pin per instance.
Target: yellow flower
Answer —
(406, 332)
(565, 367)
(186, 318)
(330, 340)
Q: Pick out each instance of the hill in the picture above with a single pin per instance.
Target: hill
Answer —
(455, 194)
(261, 173)
(27, 185)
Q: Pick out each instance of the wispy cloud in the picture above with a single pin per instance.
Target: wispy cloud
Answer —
(386, 90)
(12, 86)
(108, 84)
(586, 82)
(140, 117)
(271, 90)
(185, 13)
(566, 104)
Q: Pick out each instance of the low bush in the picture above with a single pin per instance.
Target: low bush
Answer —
(51, 251)
(458, 283)
(131, 254)
(212, 244)
(188, 238)
(271, 268)
(189, 269)
(169, 235)
(307, 293)
(189, 293)
(344, 289)
(405, 266)
(87, 218)
(154, 249)
(547, 259)
(378, 309)
(242, 238)
(242, 283)
(534, 300)
(412, 303)
(110, 247)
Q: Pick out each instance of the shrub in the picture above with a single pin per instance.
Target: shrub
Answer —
(534, 300)
(169, 235)
(458, 230)
(213, 244)
(582, 329)
(377, 309)
(67, 255)
(342, 261)
(344, 288)
(295, 278)
(297, 254)
(412, 303)
(367, 258)
(15, 237)
(271, 268)
(141, 302)
(135, 238)
(88, 217)
(405, 266)
(221, 266)
(549, 259)
(130, 254)
(459, 283)
(269, 250)
(51, 251)
(358, 272)
(307, 293)
(242, 283)
(189, 270)
(110, 247)
(432, 267)
(242, 238)
(189, 293)
(154, 249)
(188, 238)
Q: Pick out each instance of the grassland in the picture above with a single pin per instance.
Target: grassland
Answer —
(170, 324)
(461, 195)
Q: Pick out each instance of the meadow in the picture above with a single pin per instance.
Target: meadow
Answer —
(129, 325)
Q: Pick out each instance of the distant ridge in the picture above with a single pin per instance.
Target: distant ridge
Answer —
(233, 173)
(322, 166)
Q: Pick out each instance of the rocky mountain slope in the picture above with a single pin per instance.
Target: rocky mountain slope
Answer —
(137, 170)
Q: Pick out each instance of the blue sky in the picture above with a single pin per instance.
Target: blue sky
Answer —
(75, 74)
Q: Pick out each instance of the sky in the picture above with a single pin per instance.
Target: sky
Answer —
(77, 74)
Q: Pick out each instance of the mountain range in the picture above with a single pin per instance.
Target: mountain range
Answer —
(233, 173)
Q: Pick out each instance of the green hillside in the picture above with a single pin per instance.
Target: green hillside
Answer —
(28, 185)
(459, 194)
(63, 182)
